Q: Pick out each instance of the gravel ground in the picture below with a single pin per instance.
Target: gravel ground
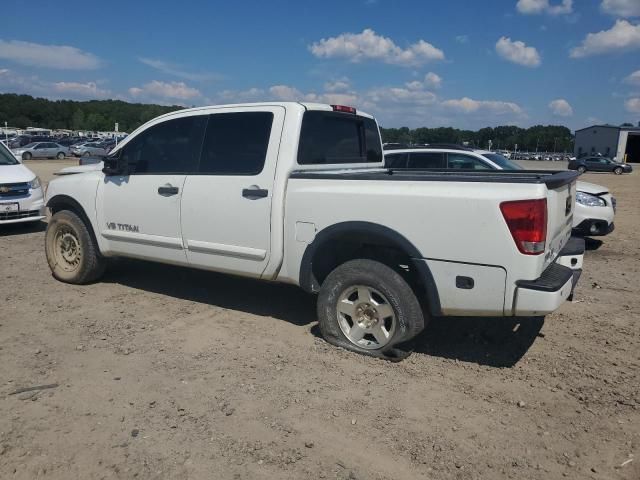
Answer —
(161, 372)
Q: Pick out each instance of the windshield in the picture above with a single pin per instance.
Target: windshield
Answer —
(6, 157)
(502, 161)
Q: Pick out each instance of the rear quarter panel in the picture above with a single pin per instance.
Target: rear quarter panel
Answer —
(445, 220)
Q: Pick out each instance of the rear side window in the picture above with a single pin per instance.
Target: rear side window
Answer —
(331, 138)
(172, 146)
(396, 160)
(236, 143)
(427, 160)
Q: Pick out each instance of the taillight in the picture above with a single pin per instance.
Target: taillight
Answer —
(527, 221)
(343, 109)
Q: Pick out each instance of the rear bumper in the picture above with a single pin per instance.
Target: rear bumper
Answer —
(545, 294)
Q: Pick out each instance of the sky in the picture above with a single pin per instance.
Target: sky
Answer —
(465, 64)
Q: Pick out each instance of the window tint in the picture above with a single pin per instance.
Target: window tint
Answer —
(427, 160)
(172, 146)
(397, 160)
(466, 162)
(236, 143)
(328, 137)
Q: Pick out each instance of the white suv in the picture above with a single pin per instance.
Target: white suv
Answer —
(595, 206)
(21, 196)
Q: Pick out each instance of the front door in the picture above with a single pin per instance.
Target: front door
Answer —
(139, 212)
(226, 207)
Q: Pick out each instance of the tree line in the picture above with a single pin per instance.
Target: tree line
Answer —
(547, 138)
(23, 111)
(94, 115)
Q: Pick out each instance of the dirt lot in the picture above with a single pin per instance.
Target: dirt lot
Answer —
(170, 373)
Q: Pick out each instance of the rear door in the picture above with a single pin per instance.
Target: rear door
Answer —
(226, 205)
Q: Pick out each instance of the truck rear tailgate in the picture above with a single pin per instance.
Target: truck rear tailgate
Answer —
(560, 206)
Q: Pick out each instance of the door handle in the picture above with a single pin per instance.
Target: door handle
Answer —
(254, 192)
(168, 190)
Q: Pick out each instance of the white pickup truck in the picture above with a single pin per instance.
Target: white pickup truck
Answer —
(297, 193)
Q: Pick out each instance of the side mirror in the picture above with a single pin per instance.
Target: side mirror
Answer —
(115, 164)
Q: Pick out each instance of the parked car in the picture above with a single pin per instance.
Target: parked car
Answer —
(599, 164)
(21, 196)
(41, 150)
(595, 206)
(90, 149)
(297, 193)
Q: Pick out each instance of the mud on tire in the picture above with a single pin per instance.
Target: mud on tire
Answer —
(72, 253)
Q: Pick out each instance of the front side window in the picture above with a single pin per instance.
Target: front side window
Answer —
(236, 143)
(502, 161)
(6, 157)
(334, 138)
(466, 162)
(427, 160)
(172, 146)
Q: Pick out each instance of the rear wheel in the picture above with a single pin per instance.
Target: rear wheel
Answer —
(71, 251)
(367, 307)
(26, 156)
(617, 170)
(582, 169)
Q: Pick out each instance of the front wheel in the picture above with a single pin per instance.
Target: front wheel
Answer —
(367, 307)
(582, 169)
(72, 254)
(617, 170)
(60, 155)
(86, 154)
(26, 156)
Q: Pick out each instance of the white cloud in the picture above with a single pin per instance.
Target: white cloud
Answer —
(432, 80)
(633, 79)
(536, 7)
(178, 71)
(468, 105)
(156, 90)
(398, 95)
(81, 90)
(561, 108)
(632, 105)
(518, 52)
(462, 38)
(621, 8)
(368, 45)
(622, 36)
(60, 57)
(337, 85)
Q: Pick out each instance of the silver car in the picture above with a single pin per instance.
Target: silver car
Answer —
(90, 150)
(41, 150)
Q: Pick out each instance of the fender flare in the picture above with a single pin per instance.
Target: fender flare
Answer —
(65, 200)
(309, 283)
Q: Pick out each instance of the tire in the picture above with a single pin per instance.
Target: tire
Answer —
(86, 154)
(60, 155)
(582, 169)
(617, 170)
(367, 307)
(26, 156)
(72, 253)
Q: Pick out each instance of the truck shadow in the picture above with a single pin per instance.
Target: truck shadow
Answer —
(496, 342)
(490, 341)
(284, 302)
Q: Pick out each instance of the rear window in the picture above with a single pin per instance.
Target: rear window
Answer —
(332, 138)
